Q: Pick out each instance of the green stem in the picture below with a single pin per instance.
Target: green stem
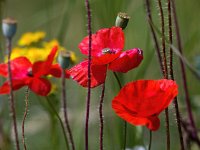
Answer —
(150, 139)
(60, 120)
(125, 123)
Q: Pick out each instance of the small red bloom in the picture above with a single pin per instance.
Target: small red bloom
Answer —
(140, 102)
(26, 74)
(107, 45)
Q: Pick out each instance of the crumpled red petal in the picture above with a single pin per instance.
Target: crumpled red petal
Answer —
(17, 84)
(41, 68)
(144, 100)
(19, 68)
(40, 86)
(126, 61)
(56, 71)
(79, 73)
(112, 38)
(152, 123)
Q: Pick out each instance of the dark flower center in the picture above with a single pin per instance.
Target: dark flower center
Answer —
(107, 51)
(30, 73)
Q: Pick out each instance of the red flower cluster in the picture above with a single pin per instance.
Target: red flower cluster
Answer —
(107, 45)
(26, 74)
(140, 102)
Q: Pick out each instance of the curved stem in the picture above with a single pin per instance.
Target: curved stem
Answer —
(60, 120)
(64, 100)
(101, 116)
(149, 18)
(87, 5)
(125, 123)
(171, 74)
(150, 139)
(24, 118)
(183, 68)
(11, 97)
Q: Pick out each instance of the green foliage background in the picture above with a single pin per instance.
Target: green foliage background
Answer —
(65, 20)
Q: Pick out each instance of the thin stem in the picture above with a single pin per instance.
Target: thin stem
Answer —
(101, 116)
(64, 101)
(150, 139)
(171, 74)
(118, 81)
(125, 123)
(11, 97)
(165, 70)
(87, 5)
(60, 120)
(183, 73)
(178, 119)
(24, 118)
(149, 18)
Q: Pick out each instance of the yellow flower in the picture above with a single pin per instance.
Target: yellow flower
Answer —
(54, 89)
(31, 37)
(73, 57)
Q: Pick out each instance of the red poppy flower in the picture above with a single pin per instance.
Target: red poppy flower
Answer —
(140, 102)
(107, 45)
(26, 74)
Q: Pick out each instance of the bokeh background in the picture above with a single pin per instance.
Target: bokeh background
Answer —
(65, 20)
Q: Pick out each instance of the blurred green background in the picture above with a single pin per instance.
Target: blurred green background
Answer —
(65, 20)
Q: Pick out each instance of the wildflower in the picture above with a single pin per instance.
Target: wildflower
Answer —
(140, 102)
(107, 45)
(24, 73)
(29, 38)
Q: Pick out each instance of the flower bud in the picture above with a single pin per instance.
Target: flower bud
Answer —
(9, 27)
(122, 20)
(64, 59)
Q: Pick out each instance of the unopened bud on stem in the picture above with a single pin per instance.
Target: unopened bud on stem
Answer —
(9, 27)
(122, 20)
(64, 59)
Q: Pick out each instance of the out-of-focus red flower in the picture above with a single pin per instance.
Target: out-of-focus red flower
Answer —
(140, 102)
(107, 46)
(26, 74)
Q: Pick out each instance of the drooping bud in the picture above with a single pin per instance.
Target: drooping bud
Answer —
(122, 20)
(9, 27)
(64, 59)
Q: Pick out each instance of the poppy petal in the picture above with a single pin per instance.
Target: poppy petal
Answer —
(40, 86)
(19, 68)
(152, 123)
(56, 71)
(17, 84)
(127, 61)
(79, 73)
(111, 38)
(145, 99)
(105, 59)
(42, 67)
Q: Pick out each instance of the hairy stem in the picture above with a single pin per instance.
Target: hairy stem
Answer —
(11, 96)
(149, 18)
(87, 5)
(64, 101)
(60, 120)
(101, 116)
(183, 73)
(171, 75)
(165, 70)
(24, 118)
(125, 123)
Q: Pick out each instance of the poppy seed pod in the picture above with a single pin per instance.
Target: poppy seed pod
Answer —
(9, 27)
(64, 59)
(122, 20)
